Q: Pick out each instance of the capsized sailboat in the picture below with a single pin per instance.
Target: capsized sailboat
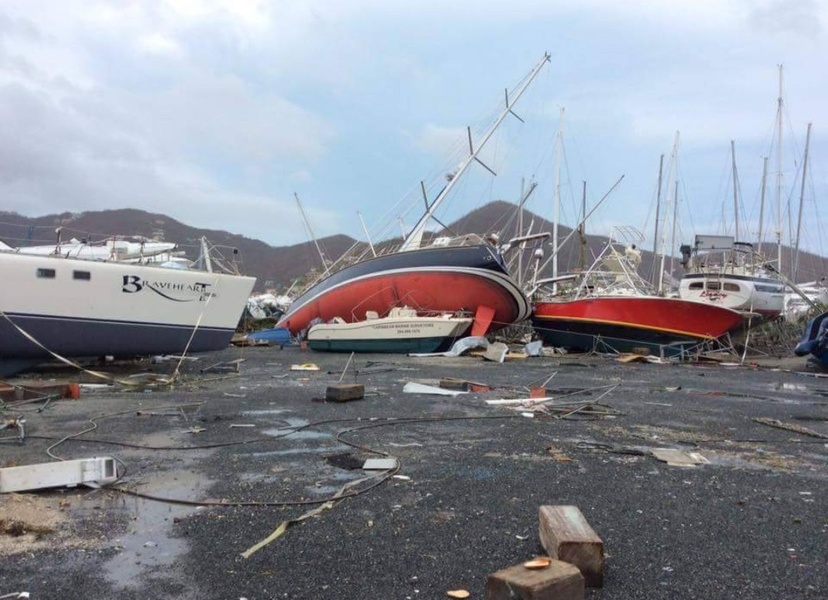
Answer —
(402, 331)
(611, 308)
(465, 273)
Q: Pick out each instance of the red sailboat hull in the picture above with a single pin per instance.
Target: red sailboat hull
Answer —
(439, 280)
(624, 322)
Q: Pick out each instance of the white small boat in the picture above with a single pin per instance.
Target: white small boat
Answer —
(402, 331)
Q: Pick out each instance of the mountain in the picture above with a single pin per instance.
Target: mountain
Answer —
(273, 267)
(279, 267)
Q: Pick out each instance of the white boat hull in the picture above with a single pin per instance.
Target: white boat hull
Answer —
(400, 334)
(756, 295)
(87, 308)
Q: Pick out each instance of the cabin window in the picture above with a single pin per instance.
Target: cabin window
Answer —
(731, 287)
(46, 273)
(696, 285)
(713, 285)
(82, 275)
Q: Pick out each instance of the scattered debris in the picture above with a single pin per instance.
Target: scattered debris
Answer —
(534, 348)
(231, 366)
(566, 535)
(790, 427)
(559, 580)
(283, 526)
(229, 395)
(421, 388)
(238, 425)
(97, 471)
(344, 392)
(19, 424)
(460, 346)
(452, 383)
(346, 461)
(541, 562)
(380, 464)
(458, 594)
(496, 352)
(628, 358)
(679, 458)
(304, 367)
(558, 454)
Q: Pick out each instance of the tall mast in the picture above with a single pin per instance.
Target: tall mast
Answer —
(582, 232)
(557, 213)
(658, 210)
(310, 232)
(735, 190)
(367, 235)
(801, 198)
(412, 241)
(520, 232)
(673, 176)
(762, 202)
(673, 236)
(779, 174)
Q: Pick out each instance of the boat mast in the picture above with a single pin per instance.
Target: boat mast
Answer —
(367, 235)
(582, 232)
(557, 211)
(779, 174)
(412, 241)
(801, 198)
(673, 238)
(310, 232)
(673, 175)
(735, 190)
(658, 210)
(762, 202)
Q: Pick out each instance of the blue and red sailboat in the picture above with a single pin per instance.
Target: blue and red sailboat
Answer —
(466, 274)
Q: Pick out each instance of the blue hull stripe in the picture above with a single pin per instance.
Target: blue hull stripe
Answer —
(92, 337)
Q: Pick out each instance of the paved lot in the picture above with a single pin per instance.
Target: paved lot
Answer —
(753, 523)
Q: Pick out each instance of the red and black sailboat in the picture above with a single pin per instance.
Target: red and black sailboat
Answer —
(611, 308)
(465, 274)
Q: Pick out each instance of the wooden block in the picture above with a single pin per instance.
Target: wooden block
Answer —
(558, 581)
(566, 535)
(450, 383)
(343, 392)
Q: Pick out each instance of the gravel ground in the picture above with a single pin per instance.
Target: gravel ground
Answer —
(753, 523)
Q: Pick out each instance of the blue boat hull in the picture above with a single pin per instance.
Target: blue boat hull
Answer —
(92, 337)
(815, 339)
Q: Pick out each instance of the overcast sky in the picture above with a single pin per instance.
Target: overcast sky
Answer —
(215, 112)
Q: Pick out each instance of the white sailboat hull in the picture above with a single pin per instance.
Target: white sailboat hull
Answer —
(758, 295)
(87, 308)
